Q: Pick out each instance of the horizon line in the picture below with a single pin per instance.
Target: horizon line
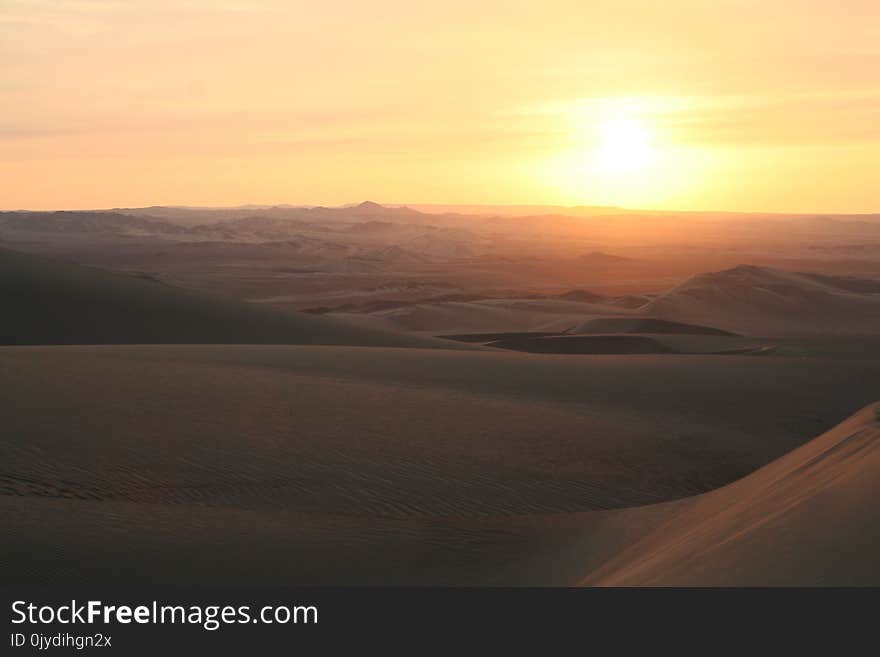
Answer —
(580, 207)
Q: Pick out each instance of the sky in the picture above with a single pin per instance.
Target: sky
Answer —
(744, 105)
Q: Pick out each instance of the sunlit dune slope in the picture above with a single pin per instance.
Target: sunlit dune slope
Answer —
(809, 518)
(51, 302)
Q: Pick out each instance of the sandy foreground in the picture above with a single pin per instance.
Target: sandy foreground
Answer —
(343, 465)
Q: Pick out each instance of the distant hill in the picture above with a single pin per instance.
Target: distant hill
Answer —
(86, 222)
(333, 232)
(600, 259)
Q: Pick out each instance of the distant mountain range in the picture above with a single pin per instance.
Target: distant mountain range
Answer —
(398, 233)
(367, 230)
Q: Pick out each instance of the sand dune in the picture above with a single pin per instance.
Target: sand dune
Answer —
(493, 315)
(763, 301)
(756, 301)
(750, 300)
(809, 518)
(52, 302)
(643, 325)
(643, 336)
(625, 343)
(584, 344)
(129, 459)
(358, 462)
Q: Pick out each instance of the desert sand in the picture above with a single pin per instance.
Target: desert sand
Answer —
(129, 458)
(710, 436)
(805, 519)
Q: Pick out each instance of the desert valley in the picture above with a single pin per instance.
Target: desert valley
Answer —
(378, 394)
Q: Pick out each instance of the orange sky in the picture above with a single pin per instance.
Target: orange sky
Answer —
(744, 104)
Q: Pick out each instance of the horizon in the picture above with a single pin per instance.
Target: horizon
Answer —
(420, 207)
(691, 108)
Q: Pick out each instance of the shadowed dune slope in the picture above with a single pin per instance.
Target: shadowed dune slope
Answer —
(809, 518)
(644, 325)
(178, 464)
(52, 302)
(584, 344)
(654, 343)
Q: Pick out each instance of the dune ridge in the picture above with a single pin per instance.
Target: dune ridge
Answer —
(763, 301)
(809, 518)
(53, 302)
(744, 300)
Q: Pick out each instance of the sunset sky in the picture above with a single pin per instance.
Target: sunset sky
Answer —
(689, 104)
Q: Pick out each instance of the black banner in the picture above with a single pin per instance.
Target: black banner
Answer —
(413, 620)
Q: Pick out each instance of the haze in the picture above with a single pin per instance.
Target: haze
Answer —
(725, 105)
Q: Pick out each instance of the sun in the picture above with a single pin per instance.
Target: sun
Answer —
(625, 152)
(625, 146)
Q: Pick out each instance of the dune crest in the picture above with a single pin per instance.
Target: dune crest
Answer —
(762, 300)
(809, 518)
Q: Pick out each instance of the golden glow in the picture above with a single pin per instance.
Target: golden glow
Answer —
(222, 102)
